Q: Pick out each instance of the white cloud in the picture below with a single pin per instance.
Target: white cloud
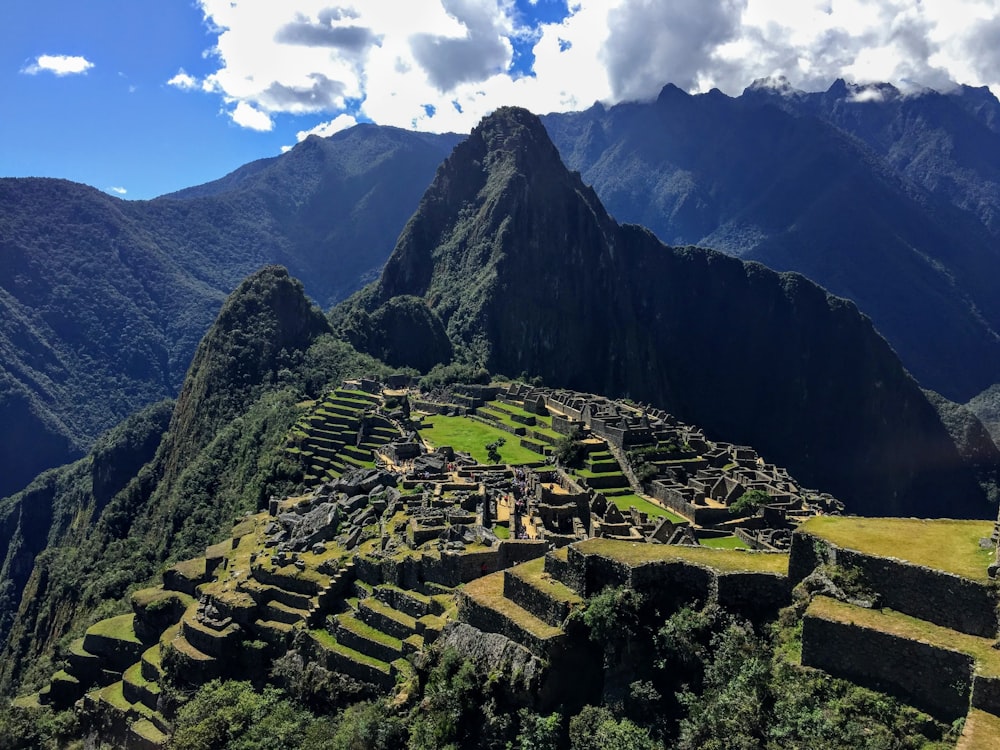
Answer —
(183, 81)
(60, 65)
(247, 117)
(442, 64)
(118, 190)
(326, 129)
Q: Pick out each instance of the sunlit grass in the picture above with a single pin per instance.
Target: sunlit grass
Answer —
(948, 545)
(470, 436)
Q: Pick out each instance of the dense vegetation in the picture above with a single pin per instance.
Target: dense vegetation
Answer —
(696, 679)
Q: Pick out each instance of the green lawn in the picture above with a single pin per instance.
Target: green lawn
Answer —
(644, 506)
(468, 435)
(723, 542)
(119, 628)
(948, 545)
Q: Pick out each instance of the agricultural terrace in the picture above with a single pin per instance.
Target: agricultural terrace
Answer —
(947, 545)
(723, 560)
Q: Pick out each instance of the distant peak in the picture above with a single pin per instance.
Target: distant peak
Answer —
(517, 134)
(670, 92)
(773, 85)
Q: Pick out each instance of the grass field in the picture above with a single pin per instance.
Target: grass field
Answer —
(723, 542)
(951, 546)
(468, 435)
(644, 506)
(632, 553)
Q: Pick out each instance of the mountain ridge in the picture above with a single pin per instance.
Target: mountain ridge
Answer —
(768, 177)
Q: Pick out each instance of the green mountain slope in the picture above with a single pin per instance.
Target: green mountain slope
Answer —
(169, 480)
(103, 301)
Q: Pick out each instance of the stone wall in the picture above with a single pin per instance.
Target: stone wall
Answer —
(539, 603)
(942, 598)
(986, 693)
(492, 621)
(935, 680)
(756, 596)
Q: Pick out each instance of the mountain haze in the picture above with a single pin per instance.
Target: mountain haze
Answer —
(527, 273)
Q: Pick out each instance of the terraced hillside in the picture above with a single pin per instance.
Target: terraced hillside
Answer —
(915, 614)
(340, 433)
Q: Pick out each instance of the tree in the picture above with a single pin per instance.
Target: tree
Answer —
(569, 450)
(493, 449)
(749, 503)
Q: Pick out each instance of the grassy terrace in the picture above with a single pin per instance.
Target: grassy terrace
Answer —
(488, 591)
(327, 641)
(982, 731)
(119, 628)
(951, 546)
(723, 542)
(723, 560)
(542, 424)
(644, 506)
(896, 623)
(470, 436)
(533, 573)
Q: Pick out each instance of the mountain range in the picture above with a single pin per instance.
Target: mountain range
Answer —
(509, 264)
(877, 196)
(888, 200)
(102, 301)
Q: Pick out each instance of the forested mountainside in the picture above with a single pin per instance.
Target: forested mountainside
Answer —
(517, 260)
(888, 200)
(170, 479)
(103, 301)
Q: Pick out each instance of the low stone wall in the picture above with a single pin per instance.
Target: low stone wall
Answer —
(337, 662)
(986, 693)
(284, 581)
(492, 621)
(117, 654)
(942, 598)
(932, 679)
(537, 602)
(514, 551)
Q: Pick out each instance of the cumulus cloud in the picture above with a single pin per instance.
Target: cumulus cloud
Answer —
(481, 51)
(118, 190)
(326, 129)
(443, 64)
(351, 39)
(247, 117)
(679, 36)
(183, 81)
(60, 65)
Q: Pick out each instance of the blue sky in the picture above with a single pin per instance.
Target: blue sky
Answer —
(149, 97)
